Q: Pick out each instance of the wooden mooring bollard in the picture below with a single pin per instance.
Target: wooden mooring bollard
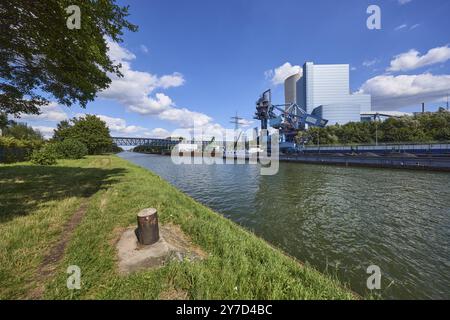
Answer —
(147, 231)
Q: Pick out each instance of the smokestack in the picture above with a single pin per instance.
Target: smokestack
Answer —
(423, 107)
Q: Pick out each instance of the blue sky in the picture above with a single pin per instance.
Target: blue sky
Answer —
(206, 60)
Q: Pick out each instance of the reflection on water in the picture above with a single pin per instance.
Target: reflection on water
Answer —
(335, 218)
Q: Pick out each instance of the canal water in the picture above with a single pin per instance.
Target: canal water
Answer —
(340, 220)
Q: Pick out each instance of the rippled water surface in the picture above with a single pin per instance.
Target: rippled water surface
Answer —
(338, 219)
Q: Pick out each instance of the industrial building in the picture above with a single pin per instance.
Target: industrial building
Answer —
(324, 91)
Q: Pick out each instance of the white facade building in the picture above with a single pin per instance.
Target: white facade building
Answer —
(325, 90)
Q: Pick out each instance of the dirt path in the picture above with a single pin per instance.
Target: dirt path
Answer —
(53, 257)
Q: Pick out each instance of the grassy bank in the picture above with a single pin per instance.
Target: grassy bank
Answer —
(104, 193)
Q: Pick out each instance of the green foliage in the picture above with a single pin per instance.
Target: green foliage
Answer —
(40, 56)
(22, 131)
(45, 156)
(428, 127)
(15, 150)
(62, 130)
(151, 149)
(3, 121)
(70, 149)
(89, 130)
(116, 149)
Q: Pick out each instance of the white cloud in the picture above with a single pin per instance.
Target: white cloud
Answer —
(174, 80)
(47, 132)
(135, 90)
(118, 53)
(50, 112)
(150, 105)
(157, 133)
(412, 59)
(144, 48)
(244, 123)
(369, 63)
(414, 26)
(119, 125)
(278, 75)
(400, 27)
(392, 92)
(185, 118)
(402, 2)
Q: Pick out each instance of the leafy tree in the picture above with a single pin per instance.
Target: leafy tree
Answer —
(404, 129)
(41, 57)
(62, 130)
(3, 121)
(70, 149)
(22, 131)
(427, 127)
(89, 130)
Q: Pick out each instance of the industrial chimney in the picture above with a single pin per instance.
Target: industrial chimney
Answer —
(290, 88)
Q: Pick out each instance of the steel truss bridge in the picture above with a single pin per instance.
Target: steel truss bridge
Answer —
(154, 142)
(163, 143)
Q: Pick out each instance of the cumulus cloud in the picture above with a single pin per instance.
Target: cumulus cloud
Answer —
(391, 92)
(119, 125)
(278, 75)
(50, 112)
(413, 60)
(157, 133)
(136, 91)
(174, 80)
(185, 118)
(118, 53)
(151, 105)
(47, 132)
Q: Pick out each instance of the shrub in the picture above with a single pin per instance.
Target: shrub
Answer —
(45, 156)
(70, 149)
(89, 129)
(15, 150)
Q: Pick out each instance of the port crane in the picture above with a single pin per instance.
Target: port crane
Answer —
(289, 118)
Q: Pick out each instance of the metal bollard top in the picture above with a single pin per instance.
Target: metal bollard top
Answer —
(147, 212)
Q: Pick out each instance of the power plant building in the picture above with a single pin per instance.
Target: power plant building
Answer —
(324, 90)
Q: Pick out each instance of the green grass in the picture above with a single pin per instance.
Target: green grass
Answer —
(35, 201)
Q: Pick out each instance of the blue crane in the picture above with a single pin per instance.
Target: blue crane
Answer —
(289, 119)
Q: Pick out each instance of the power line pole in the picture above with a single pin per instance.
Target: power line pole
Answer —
(236, 121)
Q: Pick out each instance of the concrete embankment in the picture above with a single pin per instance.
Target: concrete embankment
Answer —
(398, 161)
